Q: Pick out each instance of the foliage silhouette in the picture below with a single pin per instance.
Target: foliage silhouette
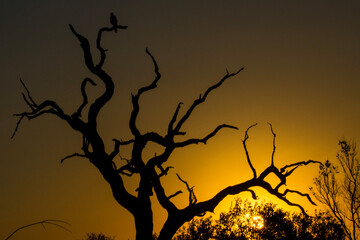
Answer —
(237, 224)
(154, 170)
(339, 188)
(98, 236)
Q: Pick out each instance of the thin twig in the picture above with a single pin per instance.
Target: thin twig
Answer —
(274, 146)
(54, 222)
(246, 151)
(73, 155)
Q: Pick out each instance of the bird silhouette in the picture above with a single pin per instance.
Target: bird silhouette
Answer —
(113, 21)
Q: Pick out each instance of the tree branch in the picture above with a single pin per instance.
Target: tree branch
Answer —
(163, 171)
(135, 98)
(46, 107)
(37, 110)
(73, 155)
(173, 119)
(253, 194)
(302, 194)
(98, 71)
(98, 42)
(128, 167)
(199, 208)
(85, 45)
(202, 99)
(205, 139)
(246, 151)
(297, 164)
(117, 144)
(175, 194)
(192, 197)
(161, 196)
(28, 99)
(274, 147)
(83, 93)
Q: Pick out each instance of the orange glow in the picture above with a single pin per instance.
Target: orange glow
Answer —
(301, 74)
(257, 222)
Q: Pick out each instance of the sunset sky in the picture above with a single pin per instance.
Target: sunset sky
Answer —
(302, 74)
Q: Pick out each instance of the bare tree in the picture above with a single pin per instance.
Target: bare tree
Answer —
(339, 188)
(151, 171)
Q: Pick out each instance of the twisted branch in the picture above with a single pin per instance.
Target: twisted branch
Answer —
(83, 93)
(297, 164)
(192, 197)
(199, 208)
(135, 98)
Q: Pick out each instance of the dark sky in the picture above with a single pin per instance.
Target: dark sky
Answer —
(302, 74)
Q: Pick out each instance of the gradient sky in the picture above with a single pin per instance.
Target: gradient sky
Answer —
(302, 74)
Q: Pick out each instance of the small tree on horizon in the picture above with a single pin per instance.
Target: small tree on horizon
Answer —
(151, 172)
(98, 236)
(338, 188)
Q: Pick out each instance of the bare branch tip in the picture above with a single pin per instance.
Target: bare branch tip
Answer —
(251, 126)
(72, 28)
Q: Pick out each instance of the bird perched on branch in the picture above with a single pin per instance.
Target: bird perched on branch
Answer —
(113, 21)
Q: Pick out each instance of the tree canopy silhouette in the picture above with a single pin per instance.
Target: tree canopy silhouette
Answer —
(241, 222)
(151, 172)
(339, 188)
(98, 236)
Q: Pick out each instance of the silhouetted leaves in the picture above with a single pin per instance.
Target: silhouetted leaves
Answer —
(237, 224)
(339, 188)
(98, 236)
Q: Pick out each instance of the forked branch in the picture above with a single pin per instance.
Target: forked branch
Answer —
(192, 197)
(46, 107)
(117, 144)
(28, 99)
(257, 181)
(135, 98)
(203, 97)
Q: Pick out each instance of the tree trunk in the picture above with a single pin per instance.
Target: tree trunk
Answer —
(144, 221)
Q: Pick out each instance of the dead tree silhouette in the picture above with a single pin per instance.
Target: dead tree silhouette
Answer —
(151, 171)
